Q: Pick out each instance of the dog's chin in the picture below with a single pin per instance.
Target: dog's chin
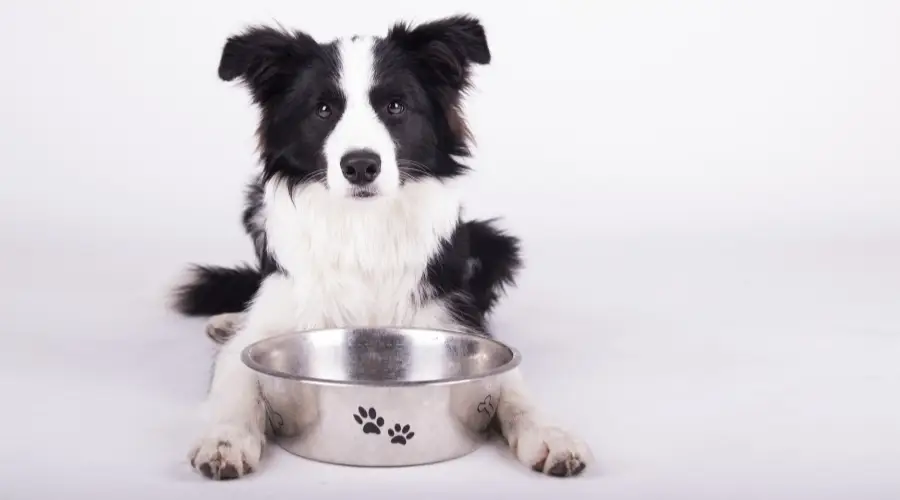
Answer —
(363, 194)
(372, 192)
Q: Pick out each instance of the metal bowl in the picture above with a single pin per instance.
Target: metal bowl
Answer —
(380, 397)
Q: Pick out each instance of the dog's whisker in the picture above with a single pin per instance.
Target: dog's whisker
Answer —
(412, 166)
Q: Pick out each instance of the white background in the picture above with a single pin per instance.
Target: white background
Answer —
(708, 193)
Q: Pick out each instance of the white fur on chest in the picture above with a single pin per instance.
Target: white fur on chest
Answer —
(360, 262)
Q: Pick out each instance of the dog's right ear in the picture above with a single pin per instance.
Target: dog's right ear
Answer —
(265, 58)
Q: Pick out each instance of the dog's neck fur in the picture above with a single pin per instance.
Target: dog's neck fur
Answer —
(360, 262)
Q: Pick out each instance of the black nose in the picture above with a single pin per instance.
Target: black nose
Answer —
(361, 167)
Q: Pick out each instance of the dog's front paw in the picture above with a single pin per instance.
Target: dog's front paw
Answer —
(552, 451)
(226, 453)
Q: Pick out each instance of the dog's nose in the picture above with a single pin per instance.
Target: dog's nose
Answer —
(360, 167)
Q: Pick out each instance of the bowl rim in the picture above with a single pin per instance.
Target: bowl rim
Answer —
(513, 363)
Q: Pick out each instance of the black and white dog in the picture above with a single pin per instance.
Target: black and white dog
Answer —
(356, 220)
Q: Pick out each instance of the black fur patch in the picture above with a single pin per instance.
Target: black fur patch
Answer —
(254, 228)
(430, 66)
(215, 290)
(498, 260)
(288, 74)
(472, 270)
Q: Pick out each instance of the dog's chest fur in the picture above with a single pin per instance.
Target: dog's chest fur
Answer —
(361, 262)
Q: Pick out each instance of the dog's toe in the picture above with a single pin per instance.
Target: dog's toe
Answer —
(552, 451)
(565, 466)
(226, 454)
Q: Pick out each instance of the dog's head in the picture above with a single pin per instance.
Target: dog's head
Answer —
(361, 115)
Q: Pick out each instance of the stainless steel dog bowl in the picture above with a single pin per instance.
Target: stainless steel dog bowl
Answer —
(380, 397)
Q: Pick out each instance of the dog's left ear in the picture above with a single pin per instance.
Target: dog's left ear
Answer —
(445, 47)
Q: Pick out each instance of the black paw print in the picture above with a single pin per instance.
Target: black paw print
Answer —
(486, 406)
(370, 421)
(400, 435)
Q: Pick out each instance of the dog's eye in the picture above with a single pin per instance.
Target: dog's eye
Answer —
(323, 110)
(395, 107)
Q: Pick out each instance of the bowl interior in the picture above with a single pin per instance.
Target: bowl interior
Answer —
(381, 356)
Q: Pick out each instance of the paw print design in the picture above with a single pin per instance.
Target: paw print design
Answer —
(369, 420)
(486, 406)
(400, 435)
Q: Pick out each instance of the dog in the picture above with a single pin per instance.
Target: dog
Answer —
(356, 220)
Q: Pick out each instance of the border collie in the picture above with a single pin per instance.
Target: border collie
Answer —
(356, 220)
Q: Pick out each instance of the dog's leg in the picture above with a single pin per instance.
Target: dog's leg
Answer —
(532, 438)
(221, 327)
(232, 442)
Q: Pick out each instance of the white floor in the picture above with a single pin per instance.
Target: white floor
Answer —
(709, 366)
(709, 196)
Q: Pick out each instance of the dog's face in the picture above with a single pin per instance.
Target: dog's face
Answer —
(361, 115)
